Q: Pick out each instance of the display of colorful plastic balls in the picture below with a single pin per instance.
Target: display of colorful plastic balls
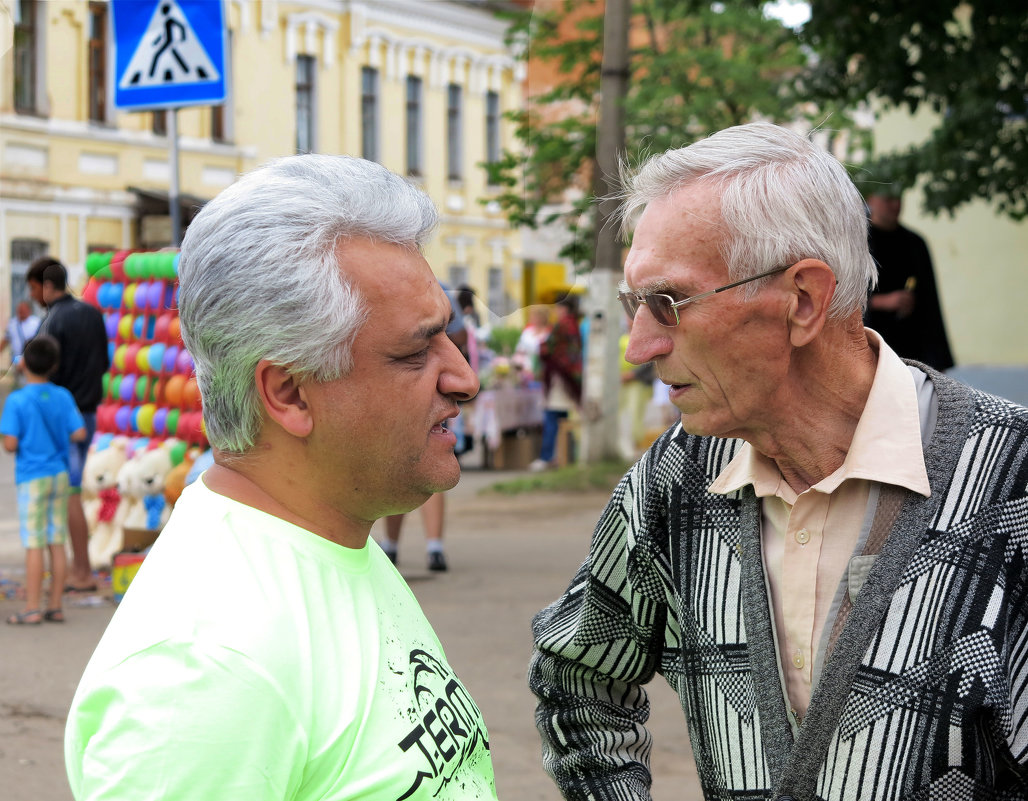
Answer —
(105, 417)
(173, 390)
(119, 356)
(139, 296)
(160, 328)
(155, 295)
(177, 452)
(160, 420)
(91, 292)
(123, 419)
(173, 270)
(110, 351)
(117, 291)
(118, 265)
(184, 362)
(138, 330)
(128, 387)
(175, 331)
(111, 324)
(103, 441)
(142, 389)
(171, 424)
(170, 357)
(130, 356)
(156, 357)
(143, 359)
(129, 265)
(125, 328)
(115, 388)
(106, 383)
(191, 394)
(128, 297)
(140, 444)
(145, 419)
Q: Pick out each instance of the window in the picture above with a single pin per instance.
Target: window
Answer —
(369, 113)
(23, 253)
(492, 127)
(26, 42)
(98, 62)
(414, 90)
(496, 295)
(454, 140)
(304, 104)
(159, 122)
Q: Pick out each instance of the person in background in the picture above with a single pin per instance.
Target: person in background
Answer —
(561, 357)
(532, 336)
(904, 306)
(20, 329)
(79, 330)
(826, 557)
(298, 664)
(38, 423)
(636, 394)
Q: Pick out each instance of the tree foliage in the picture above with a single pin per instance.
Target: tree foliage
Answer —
(695, 67)
(966, 61)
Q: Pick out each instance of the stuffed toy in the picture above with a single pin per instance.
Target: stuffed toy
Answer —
(141, 484)
(101, 500)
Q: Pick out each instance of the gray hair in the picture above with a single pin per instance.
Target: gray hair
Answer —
(783, 199)
(260, 277)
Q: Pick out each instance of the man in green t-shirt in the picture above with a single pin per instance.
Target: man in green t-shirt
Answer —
(267, 648)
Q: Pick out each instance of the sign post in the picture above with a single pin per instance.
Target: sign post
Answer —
(168, 54)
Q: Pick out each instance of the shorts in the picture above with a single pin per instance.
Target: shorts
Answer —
(43, 511)
(77, 453)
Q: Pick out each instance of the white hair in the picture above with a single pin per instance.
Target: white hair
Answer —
(783, 199)
(260, 277)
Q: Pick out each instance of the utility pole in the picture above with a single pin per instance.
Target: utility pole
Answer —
(602, 381)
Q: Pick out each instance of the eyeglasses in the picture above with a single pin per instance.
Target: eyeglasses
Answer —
(664, 308)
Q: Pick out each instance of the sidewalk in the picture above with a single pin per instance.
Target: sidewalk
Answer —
(509, 557)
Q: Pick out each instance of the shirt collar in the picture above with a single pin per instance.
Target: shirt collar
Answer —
(886, 444)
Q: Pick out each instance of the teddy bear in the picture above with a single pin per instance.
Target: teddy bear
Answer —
(141, 483)
(101, 499)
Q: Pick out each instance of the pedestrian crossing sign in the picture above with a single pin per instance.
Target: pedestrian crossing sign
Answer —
(168, 53)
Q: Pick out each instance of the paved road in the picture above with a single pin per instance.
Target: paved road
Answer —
(509, 557)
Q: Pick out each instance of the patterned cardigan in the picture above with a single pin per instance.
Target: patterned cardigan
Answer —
(923, 693)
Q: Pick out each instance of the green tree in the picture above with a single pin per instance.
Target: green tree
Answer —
(967, 61)
(695, 67)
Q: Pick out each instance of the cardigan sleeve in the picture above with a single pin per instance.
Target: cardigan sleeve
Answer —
(595, 649)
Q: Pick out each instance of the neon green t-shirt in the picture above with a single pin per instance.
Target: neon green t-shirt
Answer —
(252, 659)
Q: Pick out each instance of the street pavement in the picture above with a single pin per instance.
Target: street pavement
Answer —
(509, 556)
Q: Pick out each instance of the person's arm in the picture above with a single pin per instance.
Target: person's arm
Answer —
(177, 721)
(595, 649)
(78, 435)
(10, 443)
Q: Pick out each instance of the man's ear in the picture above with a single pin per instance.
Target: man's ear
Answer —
(284, 399)
(813, 287)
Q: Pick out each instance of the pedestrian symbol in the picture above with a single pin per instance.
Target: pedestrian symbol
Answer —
(169, 52)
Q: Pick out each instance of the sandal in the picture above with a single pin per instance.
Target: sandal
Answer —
(22, 618)
(54, 615)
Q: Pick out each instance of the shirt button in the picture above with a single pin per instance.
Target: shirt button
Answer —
(797, 660)
(802, 536)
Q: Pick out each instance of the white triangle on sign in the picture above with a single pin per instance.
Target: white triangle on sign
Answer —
(170, 53)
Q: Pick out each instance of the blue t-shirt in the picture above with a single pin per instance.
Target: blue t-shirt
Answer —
(43, 417)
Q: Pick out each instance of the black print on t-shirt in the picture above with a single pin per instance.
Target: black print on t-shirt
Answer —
(449, 728)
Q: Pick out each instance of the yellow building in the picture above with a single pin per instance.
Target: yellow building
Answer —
(419, 86)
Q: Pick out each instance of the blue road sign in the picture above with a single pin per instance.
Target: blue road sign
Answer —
(168, 53)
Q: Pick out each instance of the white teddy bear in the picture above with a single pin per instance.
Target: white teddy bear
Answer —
(101, 500)
(141, 483)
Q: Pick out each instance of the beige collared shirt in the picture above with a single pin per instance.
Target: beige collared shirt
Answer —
(809, 538)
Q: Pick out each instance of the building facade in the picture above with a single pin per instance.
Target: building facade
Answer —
(419, 86)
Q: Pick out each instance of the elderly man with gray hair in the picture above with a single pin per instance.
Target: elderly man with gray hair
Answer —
(267, 648)
(826, 557)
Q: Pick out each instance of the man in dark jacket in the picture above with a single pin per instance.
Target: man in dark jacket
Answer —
(80, 330)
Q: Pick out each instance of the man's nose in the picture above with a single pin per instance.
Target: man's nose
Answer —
(648, 339)
(458, 379)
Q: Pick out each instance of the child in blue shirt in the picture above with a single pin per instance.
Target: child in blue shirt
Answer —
(38, 423)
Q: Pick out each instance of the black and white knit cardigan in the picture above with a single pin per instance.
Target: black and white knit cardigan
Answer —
(923, 693)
